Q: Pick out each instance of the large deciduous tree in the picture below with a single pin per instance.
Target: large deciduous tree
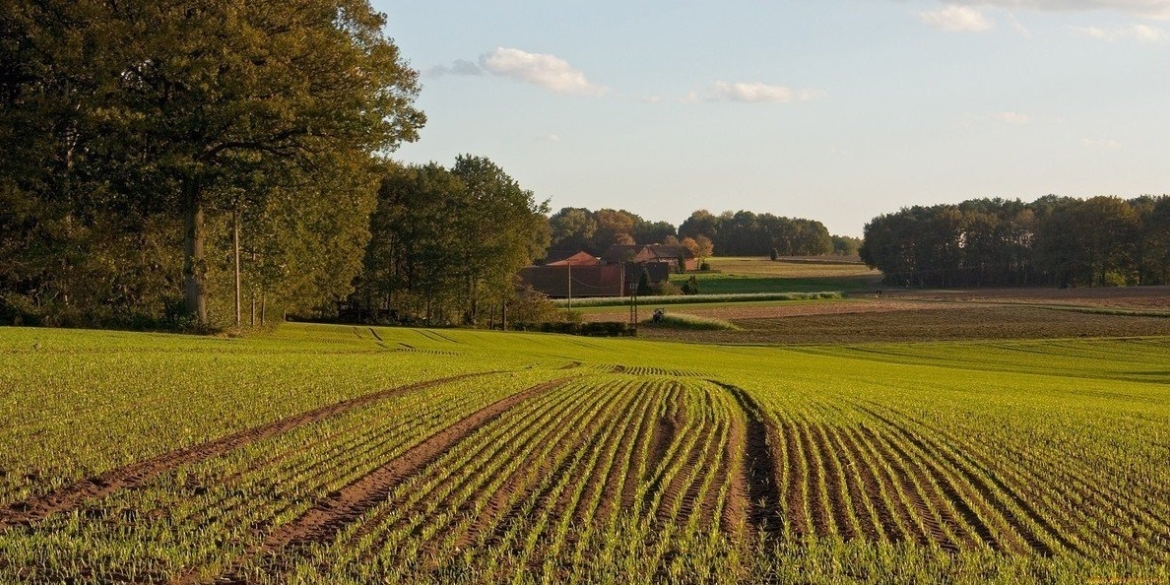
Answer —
(176, 108)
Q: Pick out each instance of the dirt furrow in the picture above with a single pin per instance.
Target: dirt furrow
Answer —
(486, 459)
(886, 507)
(619, 472)
(796, 488)
(506, 506)
(321, 522)
(644, 444)
(72, 497)
(910, 483)
(838, 503)
(758, 480)
(861, 492)
(1030, 538)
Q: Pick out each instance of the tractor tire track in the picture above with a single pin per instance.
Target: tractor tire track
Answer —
(323, 521)
(758, 480)
(70, 498)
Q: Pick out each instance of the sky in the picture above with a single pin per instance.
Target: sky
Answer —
(834, 110)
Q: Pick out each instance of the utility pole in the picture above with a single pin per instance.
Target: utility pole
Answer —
(570, 265)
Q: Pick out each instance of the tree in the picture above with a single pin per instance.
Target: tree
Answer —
(573, 228)
(703, 248)
(183, 106)
(644, 283)
(446, 242)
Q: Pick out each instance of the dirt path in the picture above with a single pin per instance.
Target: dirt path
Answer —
(72, 497)
(758, 480)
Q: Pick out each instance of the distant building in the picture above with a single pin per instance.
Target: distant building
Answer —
(650, 254)
(590, 277)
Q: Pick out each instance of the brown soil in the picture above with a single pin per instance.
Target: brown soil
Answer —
(795, 500)
(872, 489)
(325, 519)
(757, 481)
(942, 322)
(72, 497)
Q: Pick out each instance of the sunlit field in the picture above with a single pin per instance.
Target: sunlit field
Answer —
(329, 454)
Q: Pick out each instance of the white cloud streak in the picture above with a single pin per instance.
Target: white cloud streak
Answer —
(1012, 118)
(1138, 32)
(957, 19)
(757, 92)
(1157, 9)
(1102, 144)
(547, 71)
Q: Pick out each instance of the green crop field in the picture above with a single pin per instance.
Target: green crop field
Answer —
(761, 275)
(331, 454)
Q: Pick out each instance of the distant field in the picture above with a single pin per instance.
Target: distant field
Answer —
(329, 454)
(747, 275)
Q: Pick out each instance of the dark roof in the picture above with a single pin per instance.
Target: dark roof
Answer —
(578, 259)
(645, 253)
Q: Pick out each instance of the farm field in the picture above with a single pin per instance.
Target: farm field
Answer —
(330, 454)
(759, 275)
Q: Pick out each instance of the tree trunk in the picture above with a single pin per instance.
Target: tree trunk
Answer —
(236, 250)
(194, 265)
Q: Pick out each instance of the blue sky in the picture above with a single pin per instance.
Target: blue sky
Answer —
(836, 110)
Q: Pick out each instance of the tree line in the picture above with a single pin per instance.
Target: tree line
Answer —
(741, 233)
(1054, 241)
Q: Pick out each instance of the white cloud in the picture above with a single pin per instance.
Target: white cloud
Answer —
(1102, 144)
(547, 71)
(549, 138)
(1012, 118)
(752, 92)
(957, 19)
(1138, 32)
(756, 92)
(1159, 9)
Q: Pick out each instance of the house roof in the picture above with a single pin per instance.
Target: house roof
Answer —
(645, 253)
(578, 259)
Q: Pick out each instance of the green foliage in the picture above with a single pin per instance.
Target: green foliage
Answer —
(745, 233)
(644, 288)
(122, 118)
(446, 243)
(1055, 241)
(692, 322)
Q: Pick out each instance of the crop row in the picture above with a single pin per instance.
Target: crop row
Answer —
(195, 518)
(543, 490)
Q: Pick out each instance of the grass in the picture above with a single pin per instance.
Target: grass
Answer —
(1037, 460)
(690, 322)
(752, 275)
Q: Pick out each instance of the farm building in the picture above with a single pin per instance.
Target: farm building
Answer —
(649, 254)
(582, 275)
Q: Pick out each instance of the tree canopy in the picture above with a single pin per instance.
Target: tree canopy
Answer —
(140, 125)
(1060, 241)
(447, 243)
